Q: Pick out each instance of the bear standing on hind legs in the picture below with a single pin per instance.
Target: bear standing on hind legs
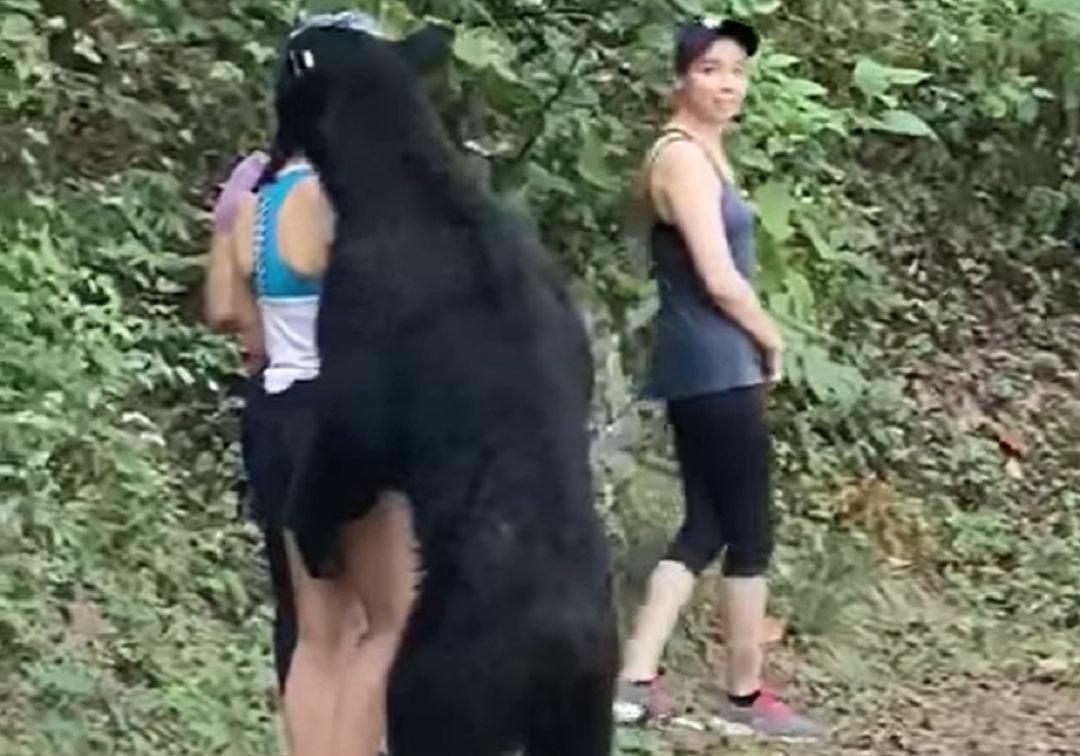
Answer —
(455, 369)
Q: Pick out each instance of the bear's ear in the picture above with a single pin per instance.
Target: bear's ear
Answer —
(427, 47)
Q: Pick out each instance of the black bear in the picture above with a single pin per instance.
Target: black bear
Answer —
(455, 369)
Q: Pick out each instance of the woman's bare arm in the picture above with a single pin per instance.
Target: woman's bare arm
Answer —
(221, 308)
(305, 229)
(228, 305)
(685, 184)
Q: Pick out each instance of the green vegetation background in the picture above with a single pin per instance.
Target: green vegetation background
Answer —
(914, 167)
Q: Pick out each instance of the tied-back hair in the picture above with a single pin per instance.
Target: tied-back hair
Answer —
(300, 96)
(303, 85)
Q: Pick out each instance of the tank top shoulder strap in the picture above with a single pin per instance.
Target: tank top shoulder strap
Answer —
(271, 277)
(673, 134)
(668, 136)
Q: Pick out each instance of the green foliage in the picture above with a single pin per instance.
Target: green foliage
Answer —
(120, 594)
(912, 166)
(132, 616)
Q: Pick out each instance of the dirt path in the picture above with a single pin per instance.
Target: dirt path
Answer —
(977, 717)
(980, 717)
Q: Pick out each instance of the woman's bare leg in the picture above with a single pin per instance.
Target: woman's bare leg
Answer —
(745, 599)
(328, 625)
(380, 567)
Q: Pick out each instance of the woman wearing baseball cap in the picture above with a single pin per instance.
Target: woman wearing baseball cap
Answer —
(716, 351)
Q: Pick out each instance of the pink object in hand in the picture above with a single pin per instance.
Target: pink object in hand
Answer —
(240, 181)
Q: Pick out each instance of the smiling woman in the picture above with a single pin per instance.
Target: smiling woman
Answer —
(715, 352)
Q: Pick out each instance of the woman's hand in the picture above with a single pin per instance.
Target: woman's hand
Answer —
(771, 346)
(252, 346)
(771, 364)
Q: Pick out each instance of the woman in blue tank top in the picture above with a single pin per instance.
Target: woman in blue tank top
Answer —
(348, 581)
(715, 350)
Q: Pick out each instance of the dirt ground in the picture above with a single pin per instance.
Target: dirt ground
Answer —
(971, 717)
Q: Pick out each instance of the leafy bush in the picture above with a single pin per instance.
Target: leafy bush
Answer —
(914, 168)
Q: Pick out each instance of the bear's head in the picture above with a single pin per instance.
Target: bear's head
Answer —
(357, 105)
(348, 49)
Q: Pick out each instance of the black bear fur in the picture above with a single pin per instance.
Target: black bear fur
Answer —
(456, 369)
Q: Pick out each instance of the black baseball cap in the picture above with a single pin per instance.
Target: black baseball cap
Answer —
(694, 38)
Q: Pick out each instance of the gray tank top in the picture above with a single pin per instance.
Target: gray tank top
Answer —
(698, 349)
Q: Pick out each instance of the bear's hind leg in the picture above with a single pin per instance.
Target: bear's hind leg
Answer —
(576, 719)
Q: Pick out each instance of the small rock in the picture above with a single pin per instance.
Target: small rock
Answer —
(1013, 469)
(774, 631)
(1011, 443)
(1000, 389)
(1070, 412)
(1053, 667)
(1047, 365)
(83, 622)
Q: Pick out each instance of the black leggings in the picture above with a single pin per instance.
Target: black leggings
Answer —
(722, 443)
(283, 639)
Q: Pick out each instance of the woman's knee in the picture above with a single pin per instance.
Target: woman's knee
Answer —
(746, 556)
(319, 619)
(320, 606)
(381, 564)
(386, 618)
(750, 558)
(696, 546)
(390, 606)
(750, 550)
(695, 558)
(317, 654)
(319, 645)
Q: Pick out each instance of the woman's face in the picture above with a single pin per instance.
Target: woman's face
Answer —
(714, 86)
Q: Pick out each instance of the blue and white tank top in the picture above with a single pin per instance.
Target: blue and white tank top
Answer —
(288, 303)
